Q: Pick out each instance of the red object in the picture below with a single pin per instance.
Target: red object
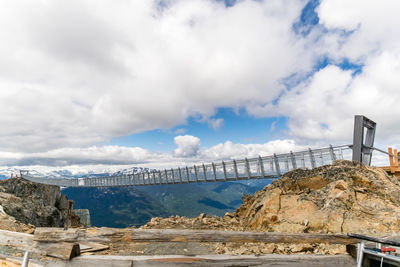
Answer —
(387, 249)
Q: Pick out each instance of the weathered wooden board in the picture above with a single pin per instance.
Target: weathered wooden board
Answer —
(21, 241)
(61, 250)
(105, 235)
(26, 242)
(172, 235)
(100, 235)
(210, 260)
(90, 247)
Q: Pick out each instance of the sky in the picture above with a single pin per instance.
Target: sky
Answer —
(170, 82)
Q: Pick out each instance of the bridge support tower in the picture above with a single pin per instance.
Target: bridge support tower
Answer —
(363, 139)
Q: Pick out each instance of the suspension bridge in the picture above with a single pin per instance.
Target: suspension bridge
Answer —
(272, 166)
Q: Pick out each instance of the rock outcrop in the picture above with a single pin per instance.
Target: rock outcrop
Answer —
(340, 198)
(345, 197)
(25, 204)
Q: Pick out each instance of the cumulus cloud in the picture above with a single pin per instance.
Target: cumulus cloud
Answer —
(77, 73)
(188, 145)
(229, 150)
(188, 152)
(81, 156)
(362, 76)
(74, 74)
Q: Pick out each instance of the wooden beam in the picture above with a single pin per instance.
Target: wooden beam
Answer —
(91, 247)
(391, 159)
(14, 239)
(210, 260)
(26, 242)
(61, 250)
(100, 235)
(172, 235)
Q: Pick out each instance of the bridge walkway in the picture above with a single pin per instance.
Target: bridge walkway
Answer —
(246, 169)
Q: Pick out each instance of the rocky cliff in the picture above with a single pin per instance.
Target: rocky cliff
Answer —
(25, 204)
(345, 197)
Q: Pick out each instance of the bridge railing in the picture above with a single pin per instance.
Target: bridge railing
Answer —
(253, 168)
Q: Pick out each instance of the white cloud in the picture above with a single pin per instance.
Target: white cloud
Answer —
(229, 150)
(74, 74)
(322, 108)
(215, 123)
(188, 152)
(188, 145)
(77, 73)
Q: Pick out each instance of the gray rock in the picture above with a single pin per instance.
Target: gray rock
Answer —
(36, 204)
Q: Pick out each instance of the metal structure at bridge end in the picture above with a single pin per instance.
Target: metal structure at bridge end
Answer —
(363, 139)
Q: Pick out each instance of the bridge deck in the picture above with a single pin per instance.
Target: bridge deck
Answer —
(255, 168)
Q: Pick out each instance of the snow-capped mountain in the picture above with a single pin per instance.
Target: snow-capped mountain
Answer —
(73, 172)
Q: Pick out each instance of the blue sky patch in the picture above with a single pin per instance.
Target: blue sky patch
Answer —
(238, 127)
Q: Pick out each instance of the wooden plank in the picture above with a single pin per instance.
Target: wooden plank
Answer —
(391, 160)
(61, 250)
(210, 260)
(90, 247)
(99, 235)
(172, 235)
(26, 242)
(21, 241)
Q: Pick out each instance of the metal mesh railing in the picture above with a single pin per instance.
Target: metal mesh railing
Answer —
(254, 168)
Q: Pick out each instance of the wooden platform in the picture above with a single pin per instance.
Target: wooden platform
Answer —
(65, 247)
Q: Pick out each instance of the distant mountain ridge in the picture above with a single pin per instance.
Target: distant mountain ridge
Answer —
(6, 172)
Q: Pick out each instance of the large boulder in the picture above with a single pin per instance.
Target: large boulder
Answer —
(36, 204)
(343, 197)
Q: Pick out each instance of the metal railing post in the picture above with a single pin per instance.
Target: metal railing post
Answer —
(224, 168)
(292, 157)
(312, 159)
(196, 173)
(247, 168)
(271, 163)
(235, 170)
(332, 153)
(166, 175)
(205, 172)
(180, 175)
(214, 171)
(260, 162)
(188, 174)
(277, 167)
(322, 158)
